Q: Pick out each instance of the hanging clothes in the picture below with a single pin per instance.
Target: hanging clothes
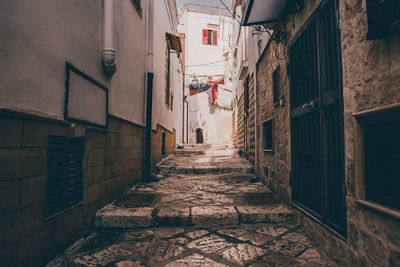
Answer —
(214, 88)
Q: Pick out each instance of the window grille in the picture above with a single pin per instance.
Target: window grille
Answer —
(267, 135)
(64, 173)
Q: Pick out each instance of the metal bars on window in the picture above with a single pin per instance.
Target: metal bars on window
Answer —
(316, 119)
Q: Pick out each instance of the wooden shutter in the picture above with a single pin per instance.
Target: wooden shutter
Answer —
(204, 36)
(215, 37)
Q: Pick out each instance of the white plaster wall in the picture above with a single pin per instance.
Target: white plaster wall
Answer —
(37, 37)
(170, 119)
(212, 119)
(128, 85)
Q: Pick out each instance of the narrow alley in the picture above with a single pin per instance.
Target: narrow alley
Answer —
(204, 208)
(199, 133)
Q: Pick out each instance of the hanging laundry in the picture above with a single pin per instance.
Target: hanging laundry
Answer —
(196, 88)
(214, 88)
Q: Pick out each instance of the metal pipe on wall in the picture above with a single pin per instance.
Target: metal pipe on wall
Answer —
(149, 89)
(108, 52)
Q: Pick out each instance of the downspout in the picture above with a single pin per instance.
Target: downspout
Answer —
(108, 52)
(149, 98)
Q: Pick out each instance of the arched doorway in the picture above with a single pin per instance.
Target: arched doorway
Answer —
(199, 136)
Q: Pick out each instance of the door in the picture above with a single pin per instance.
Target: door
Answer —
(199, 136)
(316, 119)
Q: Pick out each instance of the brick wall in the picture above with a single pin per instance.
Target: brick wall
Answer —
(113, 160)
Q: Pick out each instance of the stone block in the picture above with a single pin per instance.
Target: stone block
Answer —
(195, 260)
(97, 139)
(11, 132)
(9, 196)
(117, 169)
(8, 256)
(138, 142)
(115, 217)
(172, 216)
(124, 154)
(126, 141)
(268, 214)
(15, 163)
(34, 246)
(243, 253)
(114, 126)
(214, 215)
(94, 174)
(126, 128)
(113, 140)
(73, 224)
(137, 153)
(33, 190)
(111, 155)
(92, 193)
(96, 156)
(35, 133)
(15, 225)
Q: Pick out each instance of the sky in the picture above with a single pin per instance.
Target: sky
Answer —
(216, 3)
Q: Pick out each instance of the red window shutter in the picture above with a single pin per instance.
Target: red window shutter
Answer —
(215, 37)
(204, 36)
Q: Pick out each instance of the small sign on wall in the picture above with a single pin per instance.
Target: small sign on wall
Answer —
(86, 100)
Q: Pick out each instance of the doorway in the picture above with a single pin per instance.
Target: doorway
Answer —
(317, 134)
(199, 136)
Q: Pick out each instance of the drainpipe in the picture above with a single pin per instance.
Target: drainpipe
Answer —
(108, 52)
(149, 95)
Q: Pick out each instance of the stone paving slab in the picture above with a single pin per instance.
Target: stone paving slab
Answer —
(184, 218)
(283, 245)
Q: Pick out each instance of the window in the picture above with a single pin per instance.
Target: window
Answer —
(275, 84)
(267, 135)
(210, 37)
(138, 7)
(167, 78)
(64, 173)
(381, 144)
(383, 18)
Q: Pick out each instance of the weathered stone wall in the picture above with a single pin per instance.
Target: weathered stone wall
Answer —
(113, 161)
(251, 122)
(240, 123)
(371, 79)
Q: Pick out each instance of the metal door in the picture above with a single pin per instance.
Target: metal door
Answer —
(316, 119)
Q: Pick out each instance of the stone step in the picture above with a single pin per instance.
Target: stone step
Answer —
(188, 152)
(201, 169)
(113, 216)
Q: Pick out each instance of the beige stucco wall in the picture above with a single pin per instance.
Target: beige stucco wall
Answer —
(162, 115)
(37, 37)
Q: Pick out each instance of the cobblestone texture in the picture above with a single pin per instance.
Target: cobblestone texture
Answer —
(219, 227)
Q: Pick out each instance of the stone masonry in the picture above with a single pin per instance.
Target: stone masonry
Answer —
(203, 208)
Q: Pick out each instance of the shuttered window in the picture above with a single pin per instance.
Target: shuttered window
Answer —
(210, 37)
(64, 173)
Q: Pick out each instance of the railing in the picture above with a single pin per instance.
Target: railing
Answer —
(207, 10)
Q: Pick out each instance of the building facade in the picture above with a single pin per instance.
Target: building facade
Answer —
(73, 113)
(327, 110)
(208, 114)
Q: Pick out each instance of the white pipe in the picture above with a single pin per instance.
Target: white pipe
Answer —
(150, 39)
(108, 53)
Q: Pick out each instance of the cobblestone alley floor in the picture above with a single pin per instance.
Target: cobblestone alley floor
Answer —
(204, 208)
